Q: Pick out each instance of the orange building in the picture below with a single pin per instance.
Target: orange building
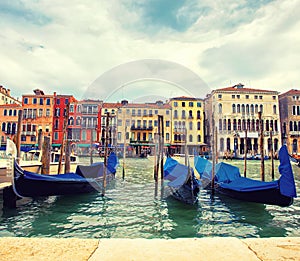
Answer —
(9, 121)
(38, 111)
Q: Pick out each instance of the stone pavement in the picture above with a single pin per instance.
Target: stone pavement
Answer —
(214, 248)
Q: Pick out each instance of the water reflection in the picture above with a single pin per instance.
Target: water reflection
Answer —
(135, 208)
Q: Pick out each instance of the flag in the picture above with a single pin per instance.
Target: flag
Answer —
(11, 148)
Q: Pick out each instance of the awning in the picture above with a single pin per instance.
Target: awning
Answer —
(84, 145)
(56, 145)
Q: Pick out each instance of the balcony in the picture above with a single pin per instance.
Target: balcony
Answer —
(141, 128)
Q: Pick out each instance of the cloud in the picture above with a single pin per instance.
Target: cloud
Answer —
(65, 46)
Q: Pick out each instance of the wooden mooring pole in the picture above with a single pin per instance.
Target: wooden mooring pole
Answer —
(105, 153)
(18, 138)
(246, 149)
(46, 155)
(261, 138)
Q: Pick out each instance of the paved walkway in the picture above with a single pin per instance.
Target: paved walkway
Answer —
(217, 248)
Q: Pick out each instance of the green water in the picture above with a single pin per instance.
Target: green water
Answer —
(131, 209)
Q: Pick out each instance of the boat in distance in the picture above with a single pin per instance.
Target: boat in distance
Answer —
(229, 182)
(85, 179)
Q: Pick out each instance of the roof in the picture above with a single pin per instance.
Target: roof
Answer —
(240, 88)
(291, 92)
(186, 98)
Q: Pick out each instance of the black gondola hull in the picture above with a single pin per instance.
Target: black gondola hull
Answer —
(267, 196)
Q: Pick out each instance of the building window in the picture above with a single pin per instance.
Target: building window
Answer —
(55, 135)
(247, 96)
(220, 124)
(47, 112)
(41, 101)
(255, 97)
(191, 104)
(167, 123)
(199, 138)
(5, 113)
(175, 114)
(183, 104)
(57, 101)
(139, 112)
(238, 96)
(233, 108)
(274, 109)
(191, 125)
(274, 97)
(190, 114)
(25, 100)
(32, 138)
(40, 112)
(199, 104)
(219, 96)
(220, 108)
(233, 96)
(167, 136)
(119, 136)
(48, 101)
(238, 107)
(66, 101)
(175, 104)
(183, 114)
(260, 97)
(34, 101)
(156, 111)
(198, 125)
(191, 138)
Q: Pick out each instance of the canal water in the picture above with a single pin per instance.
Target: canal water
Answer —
(132, 209)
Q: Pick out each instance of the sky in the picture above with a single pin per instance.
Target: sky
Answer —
(132, 49)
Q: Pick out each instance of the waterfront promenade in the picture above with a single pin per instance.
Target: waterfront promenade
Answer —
(214, 248)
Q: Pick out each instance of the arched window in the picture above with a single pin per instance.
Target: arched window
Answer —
(261, 108)
(224, 124)
(220, 124)
(256, 108)
(191, 125)
(10, 112)
(247, 109)
(198, 125)
(199, 138)
(198, 115)
(252, 109)
(239, 124)
(3, 126)
(233, 108)
(234, 124)
(295, 126)
(228, 144)
(13, 128)
(238, 108)
(190, 114)
(244, 124)
(295, 146)
(253, 125)
(15, 112)
(71, 121)
(222, 144)
(257, 125)
(267, 125)
(229, 124)
(274, 109)
(5, 112)
(220, 108)
(243, 109)
(191, 138)
(291, 126)
(78, 121)
(175, 114)
(183, 114)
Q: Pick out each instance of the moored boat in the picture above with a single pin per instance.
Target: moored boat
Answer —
(86, 179)
(229, 182)
(181, 181)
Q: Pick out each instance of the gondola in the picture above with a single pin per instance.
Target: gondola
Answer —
(86, 179)
(181, 182)
(229, 182)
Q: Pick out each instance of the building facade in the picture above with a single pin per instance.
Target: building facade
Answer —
(61, 103)
(6, 98)
(9, 121)
(187, 124)
(233, 110)
(290, 120)
(38, 111)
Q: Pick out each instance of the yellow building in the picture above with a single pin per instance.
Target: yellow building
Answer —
(187, 124)
(137, 125)
(233, 110)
